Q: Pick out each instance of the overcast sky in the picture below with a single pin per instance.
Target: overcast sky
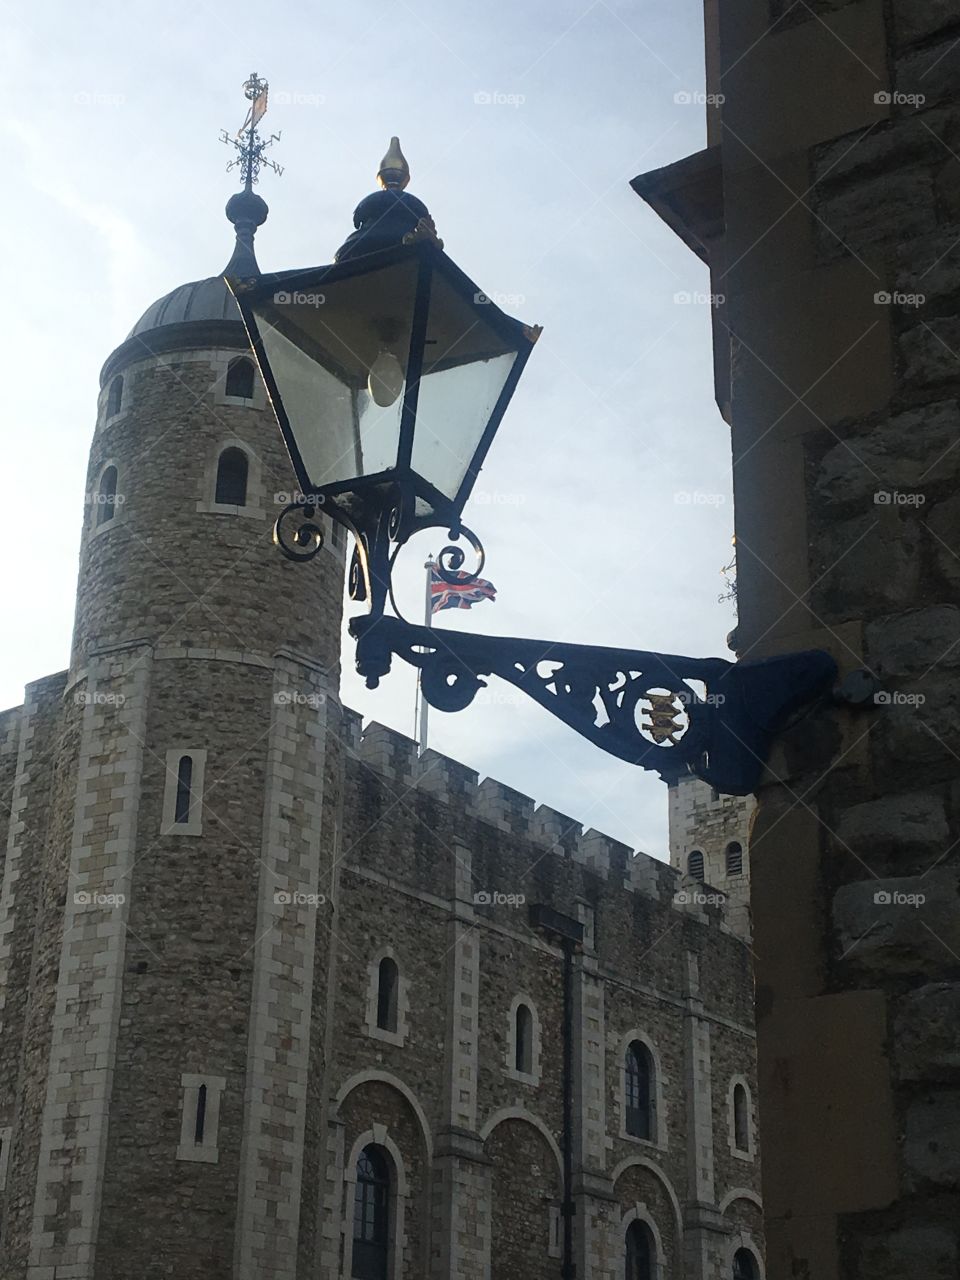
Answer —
(605, 502)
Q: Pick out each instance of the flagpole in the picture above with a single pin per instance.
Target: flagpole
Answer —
(427, 617)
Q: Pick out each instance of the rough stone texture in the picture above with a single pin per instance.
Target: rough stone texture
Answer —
(913, 1253)
(848, 532)
(927, 1033)
(900, 823)
(917, 19)
(910, 924)
(931, 1143)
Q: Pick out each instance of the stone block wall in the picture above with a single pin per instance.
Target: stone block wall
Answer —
(835, 172)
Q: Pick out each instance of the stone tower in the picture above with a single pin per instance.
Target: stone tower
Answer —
(149, 973)
(710, 843)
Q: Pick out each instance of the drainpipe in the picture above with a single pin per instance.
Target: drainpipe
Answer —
(568, 932)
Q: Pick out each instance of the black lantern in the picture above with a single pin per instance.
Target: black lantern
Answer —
(389, 372)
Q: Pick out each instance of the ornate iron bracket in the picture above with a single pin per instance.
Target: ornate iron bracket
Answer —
(639, 706)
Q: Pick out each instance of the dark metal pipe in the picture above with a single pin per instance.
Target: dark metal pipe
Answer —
(568, 1270)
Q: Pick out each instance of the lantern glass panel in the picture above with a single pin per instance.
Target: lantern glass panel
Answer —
(466, 364)
(321, 340)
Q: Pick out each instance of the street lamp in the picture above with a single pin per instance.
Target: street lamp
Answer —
(389, 372)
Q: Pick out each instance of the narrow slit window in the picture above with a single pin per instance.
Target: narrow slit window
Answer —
(741, 1119)
(181, 812)
(232, 469)
(734, 858)
(240, 379)
(201, 1118)
(115, 396)
(387, 982)
(695, 864)
(107, 495)
(523, 1046)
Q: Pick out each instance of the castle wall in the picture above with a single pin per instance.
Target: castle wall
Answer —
(425, 851)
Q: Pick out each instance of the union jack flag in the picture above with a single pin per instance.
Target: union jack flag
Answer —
(461, 594)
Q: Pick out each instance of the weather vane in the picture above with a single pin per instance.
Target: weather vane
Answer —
(249, 145)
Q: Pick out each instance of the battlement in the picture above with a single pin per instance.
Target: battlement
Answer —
(394, 757)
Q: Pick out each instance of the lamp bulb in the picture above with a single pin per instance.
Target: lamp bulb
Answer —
(385, 382)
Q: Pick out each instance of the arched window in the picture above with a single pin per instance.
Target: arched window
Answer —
(240, 379)
(741, 1118)
(523, 1040)
(745, 1266)
(115, 396)
(639, 1091)
(371, 1216)
(695, 864)
(735, 858)
(641, 1252)
(201, 1118)
(232, 478)
(181, 809)
(387, 983)
(107, 495)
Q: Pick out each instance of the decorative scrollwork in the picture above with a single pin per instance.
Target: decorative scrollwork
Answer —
(640, 706)
(451, 559)
(300, 538)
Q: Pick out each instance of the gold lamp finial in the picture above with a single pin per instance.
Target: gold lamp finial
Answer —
(394, 172)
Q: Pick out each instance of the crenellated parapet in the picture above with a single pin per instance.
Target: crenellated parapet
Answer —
(557, 838)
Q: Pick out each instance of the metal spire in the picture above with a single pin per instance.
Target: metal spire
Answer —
(246, 210)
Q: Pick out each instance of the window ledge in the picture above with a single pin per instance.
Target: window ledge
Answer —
(522, 1077)
(198, 1153)
(643, 1142)
(388, 1037)
(181, 829)
(226, 509)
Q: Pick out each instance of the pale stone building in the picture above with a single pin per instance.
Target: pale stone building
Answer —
(273, 1005)
(710, 844)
